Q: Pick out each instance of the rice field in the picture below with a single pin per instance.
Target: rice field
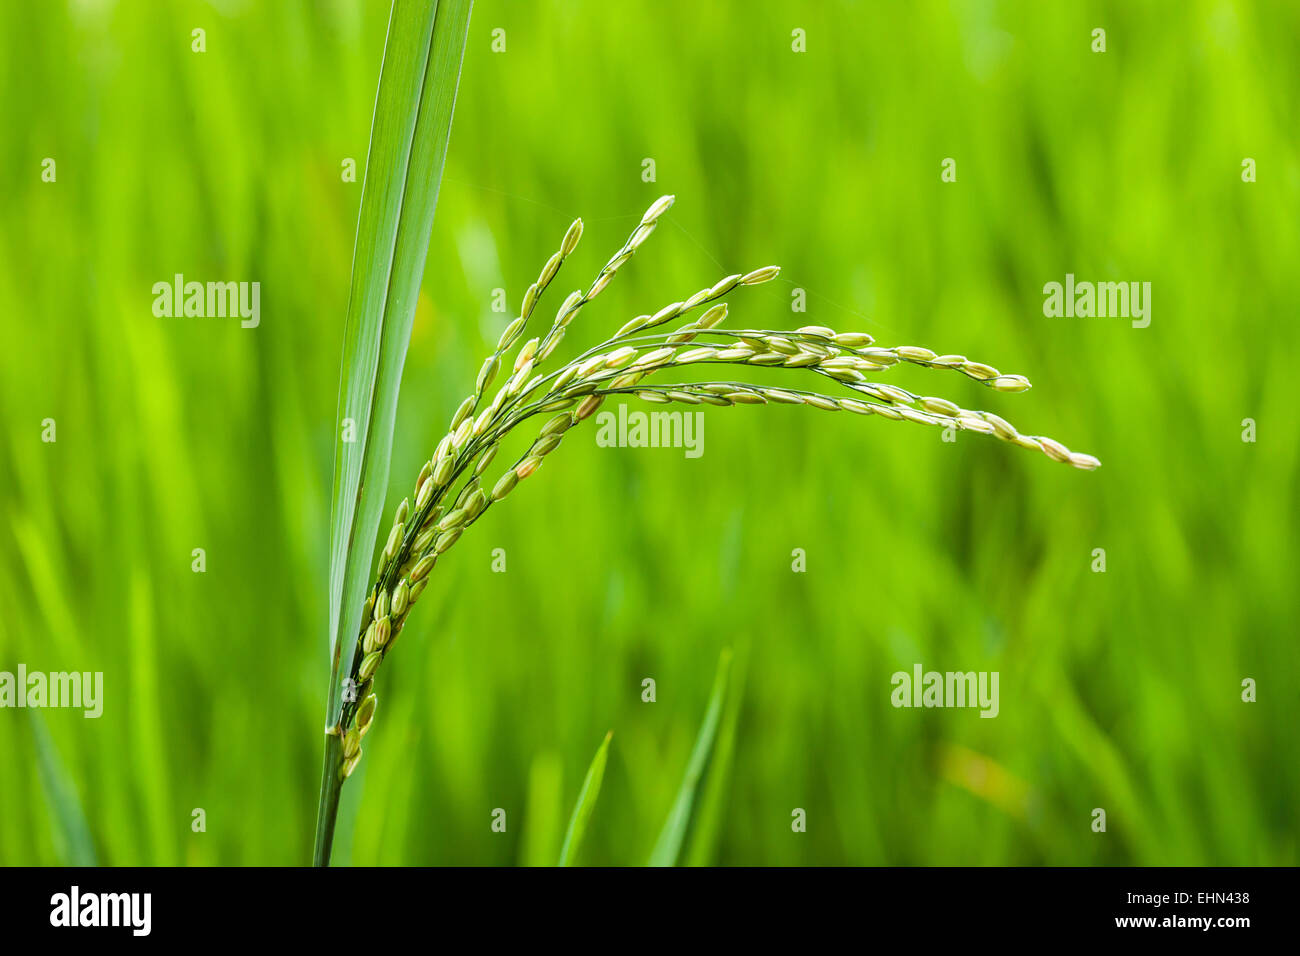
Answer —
(921, 173)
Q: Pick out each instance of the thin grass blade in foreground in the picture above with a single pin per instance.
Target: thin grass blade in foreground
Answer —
(669, 844)
(72, 840)
(408, 145)
(711, 806)
(586, 804)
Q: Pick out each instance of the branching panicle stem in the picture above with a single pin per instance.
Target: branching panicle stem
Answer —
(432, 520)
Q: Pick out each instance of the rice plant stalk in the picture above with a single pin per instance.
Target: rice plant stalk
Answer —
(409, 136)
(408, 144)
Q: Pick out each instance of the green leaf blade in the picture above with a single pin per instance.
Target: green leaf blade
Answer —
(408, 147)
(72, 840)
(668, 847)
(582, 810)
(710, 810)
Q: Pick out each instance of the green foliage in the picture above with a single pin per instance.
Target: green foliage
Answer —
(408, 146)
(73, 844)
(673, 835)
(582, 810)
(1119, 690)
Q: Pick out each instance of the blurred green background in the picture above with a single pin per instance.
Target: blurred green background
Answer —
(1119, 690)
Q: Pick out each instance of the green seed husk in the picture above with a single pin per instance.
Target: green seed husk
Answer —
(368, 665)
(365, 714)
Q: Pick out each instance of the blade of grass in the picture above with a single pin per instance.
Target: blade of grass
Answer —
(72, 841)
(708, 818)
(586, 804)
(669, 845)
(543, 812)
(408, 145)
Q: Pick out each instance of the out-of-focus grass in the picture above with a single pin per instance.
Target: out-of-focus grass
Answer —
(1118, 690)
